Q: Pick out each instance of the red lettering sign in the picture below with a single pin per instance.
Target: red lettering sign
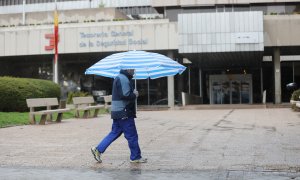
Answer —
(51, 42)
(51, 45)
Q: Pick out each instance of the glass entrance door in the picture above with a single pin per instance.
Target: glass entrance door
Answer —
(226, 92)
(245, 92)
(217, 92)
(235, 92)
(233, 89)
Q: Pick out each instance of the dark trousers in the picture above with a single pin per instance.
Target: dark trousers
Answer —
(126, 126)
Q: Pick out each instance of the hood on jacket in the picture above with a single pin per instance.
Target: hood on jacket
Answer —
(124, 71)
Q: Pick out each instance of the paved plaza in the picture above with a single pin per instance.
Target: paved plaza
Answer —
(214, 144)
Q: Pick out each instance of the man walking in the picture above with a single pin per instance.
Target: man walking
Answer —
(123, 112)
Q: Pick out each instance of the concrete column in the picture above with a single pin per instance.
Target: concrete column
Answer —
(200, 83)
(277, 75)
(293, 72)
(189, 70)
(171, 91)
(179, 82)
(171, 101)
(261, 84)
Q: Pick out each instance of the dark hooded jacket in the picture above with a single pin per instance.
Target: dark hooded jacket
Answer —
(123, 98)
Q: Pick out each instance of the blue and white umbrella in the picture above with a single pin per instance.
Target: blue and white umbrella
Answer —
(146, 65)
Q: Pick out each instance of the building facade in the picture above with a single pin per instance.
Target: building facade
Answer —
(235, 51)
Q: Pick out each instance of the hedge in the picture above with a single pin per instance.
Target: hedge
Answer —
(15, 91)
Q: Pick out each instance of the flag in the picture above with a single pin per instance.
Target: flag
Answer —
(55, 35)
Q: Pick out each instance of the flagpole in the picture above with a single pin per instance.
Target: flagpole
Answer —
(55, 70)
(55, 73)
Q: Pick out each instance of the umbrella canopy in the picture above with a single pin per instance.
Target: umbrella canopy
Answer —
(146, 65)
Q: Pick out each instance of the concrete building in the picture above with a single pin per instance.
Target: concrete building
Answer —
(234, 50)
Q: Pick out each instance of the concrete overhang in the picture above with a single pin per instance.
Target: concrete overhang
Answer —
(160, 3)
(281, 30)
(226, 59)
(284, 50)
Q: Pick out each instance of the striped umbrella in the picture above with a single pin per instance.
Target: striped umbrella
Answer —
(146, 65)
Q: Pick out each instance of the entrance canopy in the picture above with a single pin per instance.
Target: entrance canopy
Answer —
(225, 59)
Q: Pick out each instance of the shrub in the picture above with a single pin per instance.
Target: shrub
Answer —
(15, 91)
(295, 97)
(76, 94)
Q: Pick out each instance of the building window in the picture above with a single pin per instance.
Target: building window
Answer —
(275, 9)
(172, 14)
(262, 8)
(240, 8)
(292, 8)
(220, 8)
(228, 8)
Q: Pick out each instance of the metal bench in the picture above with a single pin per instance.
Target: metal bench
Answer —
(85, 104)
(44, 102)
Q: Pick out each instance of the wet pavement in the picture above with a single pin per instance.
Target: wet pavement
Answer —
(135, 174)
(182, 144)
